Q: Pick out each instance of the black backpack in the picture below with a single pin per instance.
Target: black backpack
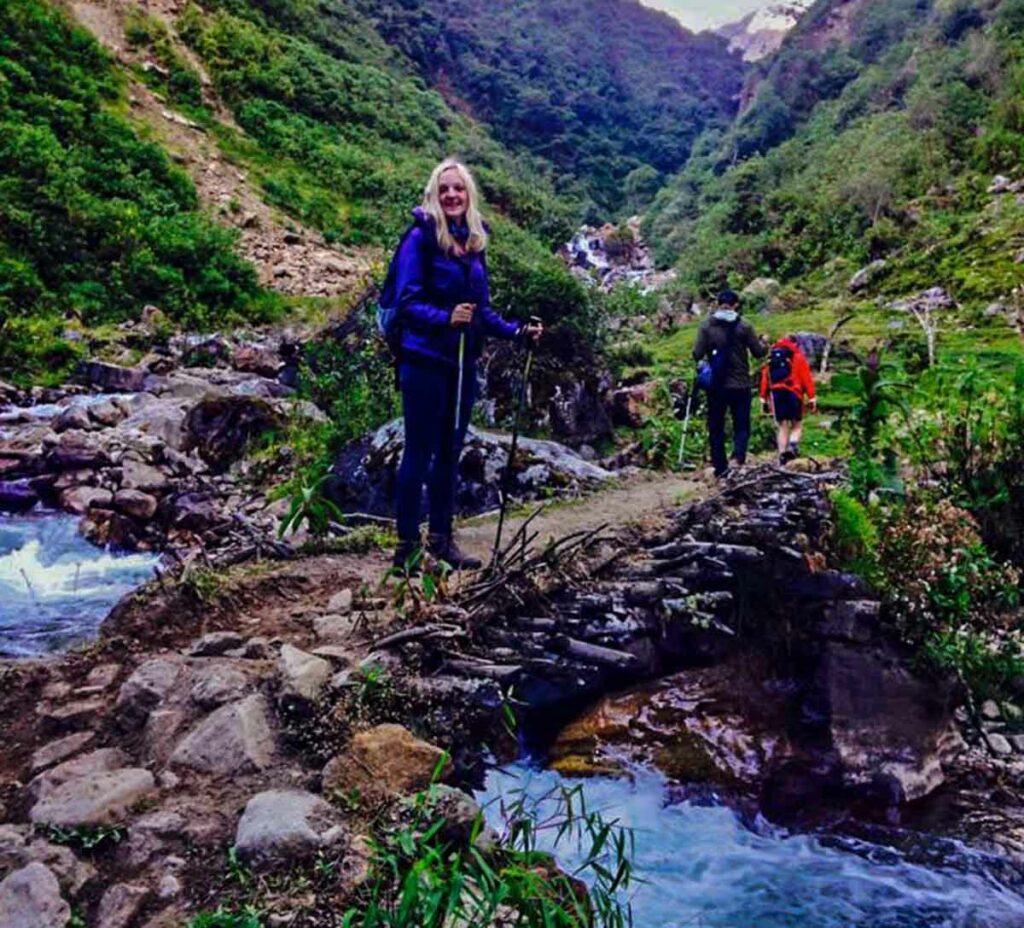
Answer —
(389, 322)
(780, 364)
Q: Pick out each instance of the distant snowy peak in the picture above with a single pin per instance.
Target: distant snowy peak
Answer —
(760, 33)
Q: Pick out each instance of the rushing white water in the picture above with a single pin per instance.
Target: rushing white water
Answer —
(56, 588)
(43, 411)
(705, 869)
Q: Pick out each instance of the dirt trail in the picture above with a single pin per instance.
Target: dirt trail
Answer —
(628, 501)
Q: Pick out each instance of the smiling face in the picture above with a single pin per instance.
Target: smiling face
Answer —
(452, 193)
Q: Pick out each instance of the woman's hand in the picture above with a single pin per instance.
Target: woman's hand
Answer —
(463, 314)
(533, 331)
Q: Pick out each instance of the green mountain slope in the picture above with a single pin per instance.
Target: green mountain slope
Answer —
(611, 92)
(874, 134)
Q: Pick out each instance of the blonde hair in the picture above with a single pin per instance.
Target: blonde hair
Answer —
(477, 240)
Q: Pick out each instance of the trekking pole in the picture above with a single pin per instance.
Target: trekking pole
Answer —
(458, 395)
(686, 422)
(507, 475)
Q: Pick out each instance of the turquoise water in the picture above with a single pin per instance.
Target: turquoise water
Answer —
(705, 869)
(55, 587)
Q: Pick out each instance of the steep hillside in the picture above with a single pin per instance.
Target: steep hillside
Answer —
(874, 134)
(612, 92)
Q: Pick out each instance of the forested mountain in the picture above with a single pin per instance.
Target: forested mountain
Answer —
(874, 133)
(610, 91)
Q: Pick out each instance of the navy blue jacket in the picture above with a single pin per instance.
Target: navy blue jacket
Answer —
(429, 285)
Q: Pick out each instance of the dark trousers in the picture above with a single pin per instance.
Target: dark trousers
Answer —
(737, 402)
(432, 446)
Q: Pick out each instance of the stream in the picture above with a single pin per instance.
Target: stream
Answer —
(703, 867)
(55, 587)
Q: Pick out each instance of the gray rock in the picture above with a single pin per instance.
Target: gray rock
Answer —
(1018, 743)
(60, 750)
(256, 648)
(1000, 184)
(151, 835)
(111, 378)
(998, 743)
(103, 675)
(17, 496)
(990, 711)
(237, 738)
(70, 418)
(334, 627)
(303, 676)
(164, 728)
(30, 898)
(337, 655)
(99, 799)
(72, 874)
(106, 414)
(851, 620)
(340, 603)
(76, 450)
(136, 504)
(217, 684)
(282, 826)
(215, 644)
(863, 278)
(120, 904)
(102, 761)
(149, 685)
(71, 715)
(79, 500)
(138, 475)
(761, 288)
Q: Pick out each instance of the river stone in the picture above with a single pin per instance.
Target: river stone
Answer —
(218, 683)
(885, 721)
(137, 475)
(235, 739)
(30, 898)
(107, 414)
(17, 496)
(303, 676)
(990, 711)
(99, 799)
(135, 503)
(998, 744)
(149, 685)
(215, 644)
(120, 904)
(79, 500)
(72, 417)
(222, 427)
(61, 749)
(281, 826)
(387, 758)
(76, 450)
(101, 761)
(111, 378)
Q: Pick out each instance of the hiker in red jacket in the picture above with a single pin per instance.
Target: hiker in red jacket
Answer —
(785, 381)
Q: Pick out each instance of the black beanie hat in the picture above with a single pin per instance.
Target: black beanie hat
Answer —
(728, 298)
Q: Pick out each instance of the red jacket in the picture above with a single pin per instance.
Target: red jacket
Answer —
(800, 381)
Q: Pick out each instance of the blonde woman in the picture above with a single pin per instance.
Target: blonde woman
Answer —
(443, 296)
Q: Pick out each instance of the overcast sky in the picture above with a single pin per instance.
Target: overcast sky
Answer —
(702, 14)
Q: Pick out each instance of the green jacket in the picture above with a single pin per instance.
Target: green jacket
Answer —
(713, 334)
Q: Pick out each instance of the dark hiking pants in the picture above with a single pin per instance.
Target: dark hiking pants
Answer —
(737, 403)
(432, 447)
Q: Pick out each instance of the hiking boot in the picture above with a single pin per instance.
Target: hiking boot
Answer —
(444, 548)
(786, 457)
(408, 558)
(794, 450)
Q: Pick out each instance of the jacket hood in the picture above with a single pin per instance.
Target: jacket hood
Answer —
(725, 315)
(787, 343)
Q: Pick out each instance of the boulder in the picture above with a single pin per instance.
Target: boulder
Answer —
(222, 427)
(213, 644)
(150, 684)
(107, 414)
(72, 417)
(96, 799)
(364, 474)
(386, 759)
(70, 716)
(578, 415)
(235, 739)
(110, 378)
(79, 500)
(120, 904)
(17, 496)
(341, 602)
(282, 826)
(866, 276)
(196, 512)
(60, 750)
(217, 683)
(303, 677)
(101, 761)
(136, 504)
(142, 477)
(151, 835)
(761, 289)
(256, 359)
(884, 721)
(76, 450)
(30, 898)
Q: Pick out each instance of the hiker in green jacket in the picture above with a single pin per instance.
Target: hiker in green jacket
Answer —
(727, 341)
